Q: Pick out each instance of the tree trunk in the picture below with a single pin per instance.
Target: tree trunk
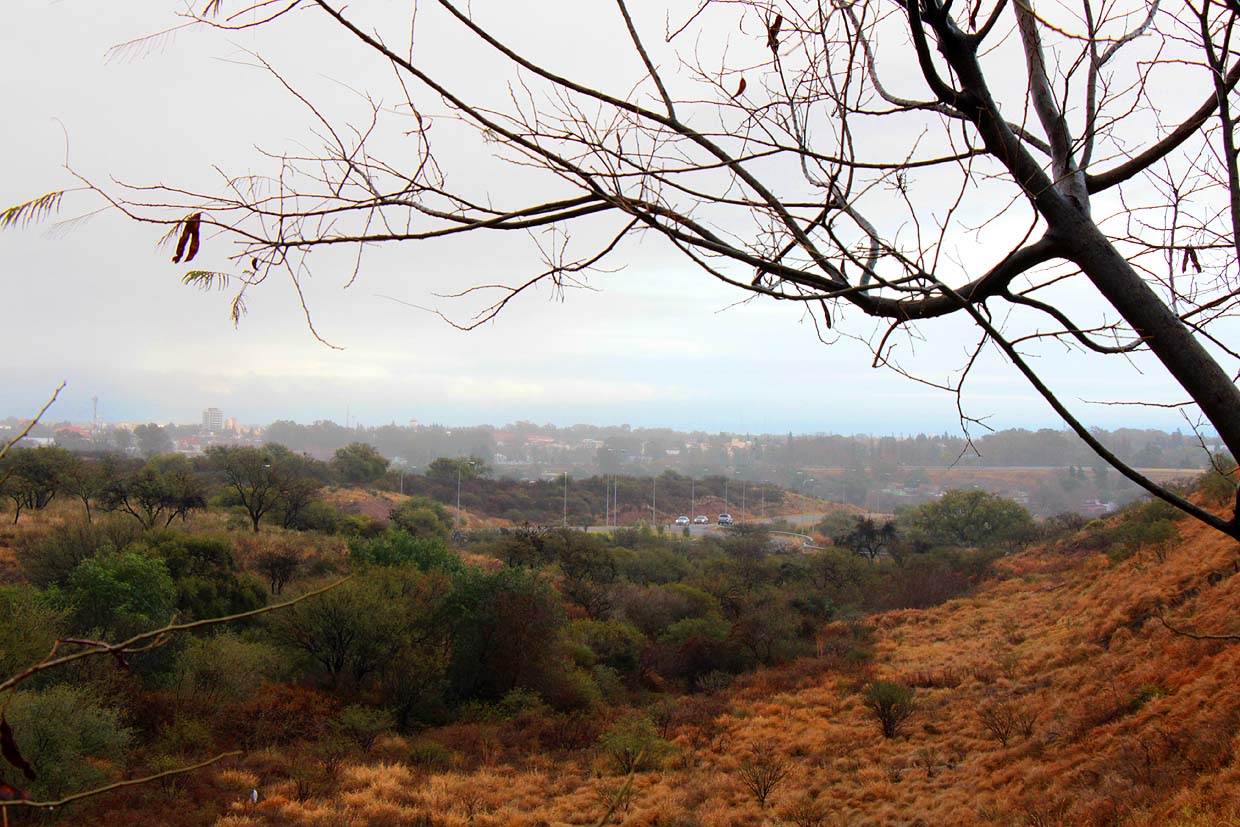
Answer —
(1168, 338)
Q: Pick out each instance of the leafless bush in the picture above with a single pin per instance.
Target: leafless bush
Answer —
(762, 770)
(806, 812)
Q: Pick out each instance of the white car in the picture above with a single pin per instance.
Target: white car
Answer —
(682, 521)
(701, 519)
(725, 519)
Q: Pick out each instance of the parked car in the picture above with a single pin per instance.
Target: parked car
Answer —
(682, 520)
(725, 519)
(701, 519)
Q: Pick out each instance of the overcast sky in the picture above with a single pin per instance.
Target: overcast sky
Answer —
(654, 344)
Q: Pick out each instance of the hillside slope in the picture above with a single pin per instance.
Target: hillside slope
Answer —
(1126, 723)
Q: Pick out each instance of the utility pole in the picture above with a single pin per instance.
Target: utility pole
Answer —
(566, 498)
(692, 499)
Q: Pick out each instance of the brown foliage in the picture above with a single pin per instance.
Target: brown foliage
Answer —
(280, 714)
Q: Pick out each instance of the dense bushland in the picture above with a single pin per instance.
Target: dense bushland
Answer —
(600, 654)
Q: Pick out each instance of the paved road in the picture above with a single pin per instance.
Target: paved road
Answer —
(674, 530)
(670, 529)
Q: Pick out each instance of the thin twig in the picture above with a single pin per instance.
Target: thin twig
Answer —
(132, 782)
(153, 638)
(1193, 635)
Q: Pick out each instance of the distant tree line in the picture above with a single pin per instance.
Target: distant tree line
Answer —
(634, 451)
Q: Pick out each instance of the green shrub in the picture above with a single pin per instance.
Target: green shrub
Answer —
(633, 744)
(612, 643)
(185, 736)
(29, 627)
(711, 627)
(318, 516)
(1218, 488)
(971, 518)
(1144, 694)
(891, 703)
(430, 755)
(208, 580)
(397, 548)
(506, 632)
(422, 517)
(72, 741)
(48, 559)
(121, 593)
(361, 525)
(364, 724)
(223, 668)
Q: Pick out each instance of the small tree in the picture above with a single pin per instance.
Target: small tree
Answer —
(162, 489)
(422, 517)
(297, 492)
(278, 563)
(972, 518)
(86, 480)
(891, 703)
(866, 537)
(358, 463)
(152, 440)
(33, 477)
(467, 468)
(262, 480)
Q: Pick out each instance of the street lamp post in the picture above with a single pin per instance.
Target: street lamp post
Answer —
(654, 485)
(565, 498)
(692, 499)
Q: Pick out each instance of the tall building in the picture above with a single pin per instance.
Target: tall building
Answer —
(213, 420)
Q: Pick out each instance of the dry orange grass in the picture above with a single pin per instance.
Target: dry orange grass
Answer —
(378, 504)
(1131, 724)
